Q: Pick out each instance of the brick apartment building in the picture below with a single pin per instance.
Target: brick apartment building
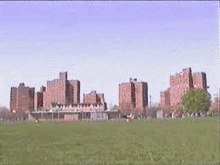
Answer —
(165, 98)
(38, 99)
(133, 96)
(94, 98)
(182, 83)
(200, 81)
(22, 98)
(61, 91)
(62, 95)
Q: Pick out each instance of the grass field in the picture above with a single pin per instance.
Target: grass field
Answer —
(175, 141)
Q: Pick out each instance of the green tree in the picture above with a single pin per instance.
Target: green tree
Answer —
(196, 101)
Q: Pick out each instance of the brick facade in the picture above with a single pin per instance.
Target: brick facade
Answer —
(74, 86)
(133, 96)
(182, 83)
(22, 98)
(126, 96)
(94, 98)
(38, 100)
(61, 91)
(141, 95)
(199, 81)
(90, 98)
(165, 98)
(13, 98)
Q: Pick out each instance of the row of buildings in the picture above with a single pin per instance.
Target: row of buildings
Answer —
(59, 93)
(133, 95)
(180, 84)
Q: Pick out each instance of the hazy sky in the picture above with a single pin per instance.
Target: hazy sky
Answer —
(104, 43)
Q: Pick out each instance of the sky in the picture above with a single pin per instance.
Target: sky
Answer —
(103, 44)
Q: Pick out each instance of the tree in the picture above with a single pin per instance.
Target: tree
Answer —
(179, 108)
(166, 109)
(196, 101)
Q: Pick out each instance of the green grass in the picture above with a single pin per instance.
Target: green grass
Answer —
(195, 140)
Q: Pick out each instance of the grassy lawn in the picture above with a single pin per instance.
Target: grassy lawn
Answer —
(175, 141)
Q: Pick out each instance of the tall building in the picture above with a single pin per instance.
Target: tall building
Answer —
(22, 98)
(141, 95)
(13, 98)
(73, 89)
(183, 82)
(38, 100)
(61, 91)
(200, 81)
(133, 96)
(165, 98)
(180, 84)
(126, 96)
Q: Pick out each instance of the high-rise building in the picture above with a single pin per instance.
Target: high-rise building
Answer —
(22, 98)
(184, 82)
(61, 91)
(73, 94)
(180, 84)
(141, 95)
(200, 81)
(165, 98)
(13, 98)
(133, 96)
(38, 100)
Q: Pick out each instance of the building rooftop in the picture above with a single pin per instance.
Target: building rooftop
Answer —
(197, 73)
(186, 70)
(133, 81)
